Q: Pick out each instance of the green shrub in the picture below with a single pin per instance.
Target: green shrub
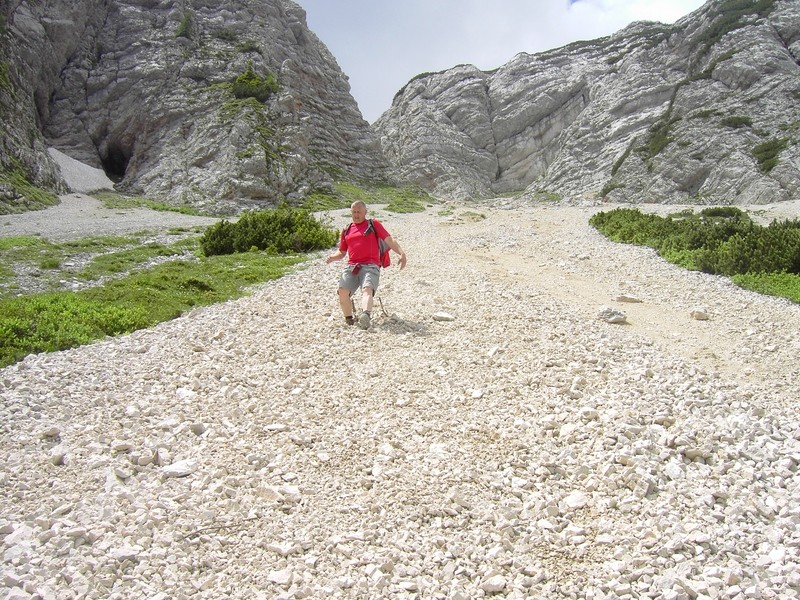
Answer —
(219, 239)
(767, 153)
(736, 122)
(720, 240)
(226, 35)
(726, 212)
(283, 230)
(248, 46)
(251, 85)
(781, 285)
(185, 26)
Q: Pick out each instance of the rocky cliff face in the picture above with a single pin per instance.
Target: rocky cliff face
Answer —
(144, 89)
(701, 111)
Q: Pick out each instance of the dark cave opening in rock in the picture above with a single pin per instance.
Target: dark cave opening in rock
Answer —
(115, 162)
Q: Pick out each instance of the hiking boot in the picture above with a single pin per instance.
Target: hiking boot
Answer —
(350, 320)
(363, 320)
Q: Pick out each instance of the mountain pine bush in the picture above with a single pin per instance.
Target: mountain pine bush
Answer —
(283, 230)
(720, 240)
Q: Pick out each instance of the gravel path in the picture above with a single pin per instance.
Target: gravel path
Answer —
(525, 449)
(79, 215)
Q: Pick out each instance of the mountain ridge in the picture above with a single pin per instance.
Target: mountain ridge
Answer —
(700, 111)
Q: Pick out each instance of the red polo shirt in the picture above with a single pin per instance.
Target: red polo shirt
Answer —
(362, 249)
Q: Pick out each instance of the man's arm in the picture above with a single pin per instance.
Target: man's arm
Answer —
(396, 247)
(338, 255)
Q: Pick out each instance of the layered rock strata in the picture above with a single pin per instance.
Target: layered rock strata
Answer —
(143, 89)
(701, 111)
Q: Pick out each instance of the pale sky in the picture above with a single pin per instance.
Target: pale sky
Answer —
(382, 44)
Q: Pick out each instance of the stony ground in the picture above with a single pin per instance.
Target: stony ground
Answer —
(524, 449)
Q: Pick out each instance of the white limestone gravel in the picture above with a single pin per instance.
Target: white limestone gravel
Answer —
(80, 215)
(524, 449)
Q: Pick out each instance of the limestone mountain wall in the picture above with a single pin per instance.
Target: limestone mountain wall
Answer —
(703, 111)
(143, 89)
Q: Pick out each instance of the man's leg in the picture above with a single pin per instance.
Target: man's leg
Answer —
(346, 304)
(367, 295)
(367, 299)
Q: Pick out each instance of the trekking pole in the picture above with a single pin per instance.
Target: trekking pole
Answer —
(383, 310)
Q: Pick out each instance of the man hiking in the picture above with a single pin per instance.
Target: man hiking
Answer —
(359, 241)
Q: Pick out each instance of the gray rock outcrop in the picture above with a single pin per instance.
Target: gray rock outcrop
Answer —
(702, 111)
(144, 90)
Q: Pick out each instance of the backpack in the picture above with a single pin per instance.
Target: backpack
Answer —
(384, 259)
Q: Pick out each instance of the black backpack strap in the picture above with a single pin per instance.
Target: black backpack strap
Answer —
(377, 241)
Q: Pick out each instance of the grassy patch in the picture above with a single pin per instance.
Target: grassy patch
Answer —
(514, 194)
(704, 114)
(248, 46)
(317, 201)
(247, 105)
(5, 78)
(396, 199)
(621, 160)
(27, 250)
(20, 241)
(123, 261)
(226, 35)
(402, 199)
(609, 187)
(29, 197)
(659, 135)
(547, 196)
(31, 252)
(731, 15)
(470, 215)
(115, 200)
(61, 320)
(404, 205)
(781, 285)
(234, 109)
(185, 26)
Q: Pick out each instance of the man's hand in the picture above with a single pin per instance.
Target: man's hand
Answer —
(396, 247)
